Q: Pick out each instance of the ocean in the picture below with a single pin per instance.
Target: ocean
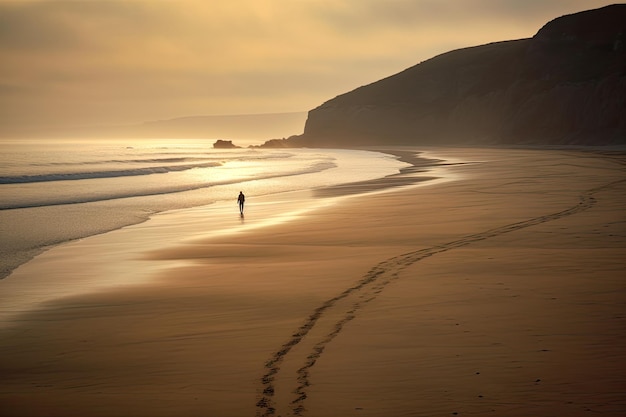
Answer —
(52, 192)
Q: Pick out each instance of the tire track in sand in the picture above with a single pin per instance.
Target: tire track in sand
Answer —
(352, 299)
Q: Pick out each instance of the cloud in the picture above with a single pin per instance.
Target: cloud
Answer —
(126, 60)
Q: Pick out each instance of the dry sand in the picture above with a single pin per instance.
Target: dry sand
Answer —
(499, 293)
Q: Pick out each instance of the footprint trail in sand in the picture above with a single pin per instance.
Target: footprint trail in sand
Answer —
(328, 320)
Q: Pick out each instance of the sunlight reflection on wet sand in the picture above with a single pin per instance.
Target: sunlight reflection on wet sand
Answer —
(118, 258)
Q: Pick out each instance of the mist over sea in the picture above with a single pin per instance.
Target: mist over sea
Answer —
(55, 191)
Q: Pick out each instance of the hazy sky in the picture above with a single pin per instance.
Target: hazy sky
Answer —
(86, 62)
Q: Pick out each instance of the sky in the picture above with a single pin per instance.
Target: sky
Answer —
(112, 62)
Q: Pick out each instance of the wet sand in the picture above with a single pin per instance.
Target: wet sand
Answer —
(499, 292)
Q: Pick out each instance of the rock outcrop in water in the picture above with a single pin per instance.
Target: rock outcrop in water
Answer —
(566, 85)
(225, 144)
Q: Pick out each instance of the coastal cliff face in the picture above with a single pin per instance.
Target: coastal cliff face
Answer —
(566, 85)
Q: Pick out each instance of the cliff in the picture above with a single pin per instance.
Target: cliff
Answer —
(565, 85)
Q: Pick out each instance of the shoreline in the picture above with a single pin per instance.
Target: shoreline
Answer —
(20, 250)
(24, 288)
(416, 172)
(500, 292)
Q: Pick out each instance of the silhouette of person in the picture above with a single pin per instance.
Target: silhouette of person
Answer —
(240, 200)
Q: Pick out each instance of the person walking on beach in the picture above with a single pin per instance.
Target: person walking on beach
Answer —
(240, 200)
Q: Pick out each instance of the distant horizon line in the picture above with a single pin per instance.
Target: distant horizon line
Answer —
(140, 122)
(226, 126)
(228, 115)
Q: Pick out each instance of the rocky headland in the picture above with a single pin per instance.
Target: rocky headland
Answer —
(564, 86)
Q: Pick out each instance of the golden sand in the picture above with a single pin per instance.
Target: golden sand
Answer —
(500, 292)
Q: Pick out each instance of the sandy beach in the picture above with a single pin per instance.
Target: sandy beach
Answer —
(499, 291)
